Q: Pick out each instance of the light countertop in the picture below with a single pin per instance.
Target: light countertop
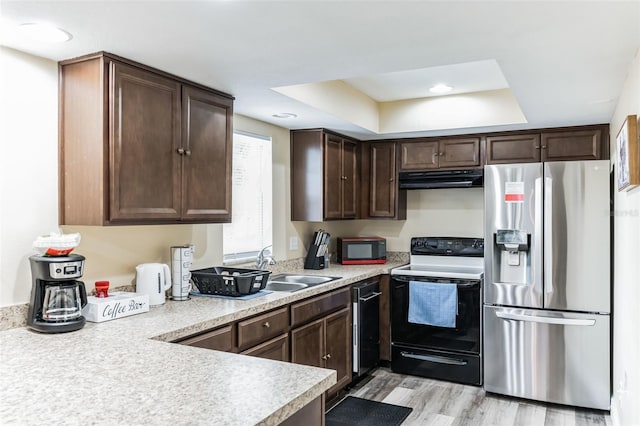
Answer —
(124, 371)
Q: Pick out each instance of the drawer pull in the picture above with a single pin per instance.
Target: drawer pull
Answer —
(326, 357)
(266, 324)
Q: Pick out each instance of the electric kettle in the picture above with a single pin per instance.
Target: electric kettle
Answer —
(153, 279)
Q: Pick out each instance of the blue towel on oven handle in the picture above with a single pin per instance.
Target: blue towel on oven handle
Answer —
(433, 304)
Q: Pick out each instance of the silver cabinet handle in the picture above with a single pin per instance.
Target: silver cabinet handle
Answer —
(373, 296)
(187, 152)
(180, 151)
(545, 320)
(434, 358)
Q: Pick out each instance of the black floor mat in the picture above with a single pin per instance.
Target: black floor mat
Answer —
(353, 411)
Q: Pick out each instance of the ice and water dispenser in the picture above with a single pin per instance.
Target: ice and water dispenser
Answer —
(512, 263)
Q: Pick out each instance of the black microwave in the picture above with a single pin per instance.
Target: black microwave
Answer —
(362, 250)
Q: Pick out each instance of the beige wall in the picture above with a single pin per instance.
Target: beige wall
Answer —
(430, 213)
(625, 408)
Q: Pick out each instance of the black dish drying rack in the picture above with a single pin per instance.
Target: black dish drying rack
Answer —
(229, 281)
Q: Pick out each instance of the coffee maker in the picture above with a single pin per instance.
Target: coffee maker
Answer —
(57, 298)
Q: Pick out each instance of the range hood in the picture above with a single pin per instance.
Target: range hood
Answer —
(442, 179)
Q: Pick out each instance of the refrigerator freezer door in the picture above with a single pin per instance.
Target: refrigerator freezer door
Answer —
(513, 207)
(548, 356)
(577, 236)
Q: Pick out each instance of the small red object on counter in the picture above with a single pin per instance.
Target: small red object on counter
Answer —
(102, 288)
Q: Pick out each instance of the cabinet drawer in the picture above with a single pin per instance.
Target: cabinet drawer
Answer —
(263, 327)
(276, 349)
(318, 306)
(220, 339)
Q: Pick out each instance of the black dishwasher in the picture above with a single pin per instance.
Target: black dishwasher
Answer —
(366, 328)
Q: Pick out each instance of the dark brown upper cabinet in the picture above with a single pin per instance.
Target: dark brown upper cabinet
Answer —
(324, 176)
(139, 146)
(562, 144)
(381, 198)
(588, 144)
(426, 154)
(513, 149)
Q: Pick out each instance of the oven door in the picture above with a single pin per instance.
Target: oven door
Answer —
(463, 338)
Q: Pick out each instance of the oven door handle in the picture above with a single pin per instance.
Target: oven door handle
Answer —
(434, 358)
(405, 280)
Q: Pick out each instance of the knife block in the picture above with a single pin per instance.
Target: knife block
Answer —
(313, 261)
(316, 255)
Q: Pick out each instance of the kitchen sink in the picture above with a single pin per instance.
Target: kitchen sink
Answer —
(304, 279)
(294, 282)
(284, 286)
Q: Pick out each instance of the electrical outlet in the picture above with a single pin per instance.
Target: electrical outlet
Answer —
(293, 243)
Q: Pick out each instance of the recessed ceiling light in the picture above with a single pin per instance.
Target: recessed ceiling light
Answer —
(285, 115)
(441, 88)
(44, 32)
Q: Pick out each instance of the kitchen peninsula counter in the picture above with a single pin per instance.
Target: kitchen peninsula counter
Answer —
(124, 371)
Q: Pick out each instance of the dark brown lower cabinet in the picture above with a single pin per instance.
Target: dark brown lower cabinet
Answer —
(325, 343)
(219, 339)
(315, 331)
(385, 317)
(311, 414)
(276, 349)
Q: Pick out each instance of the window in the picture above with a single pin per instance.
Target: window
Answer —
(251, 226)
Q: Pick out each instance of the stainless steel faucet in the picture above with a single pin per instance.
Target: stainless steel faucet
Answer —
(262, 260)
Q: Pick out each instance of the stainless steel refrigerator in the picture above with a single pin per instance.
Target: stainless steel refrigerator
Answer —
(547, 286)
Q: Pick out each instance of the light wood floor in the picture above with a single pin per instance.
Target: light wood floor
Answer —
(440, 403)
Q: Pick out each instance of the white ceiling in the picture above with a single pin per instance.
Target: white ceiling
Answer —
(564, 61)
(463, 78)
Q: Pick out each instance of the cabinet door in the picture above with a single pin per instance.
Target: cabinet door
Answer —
(457, 153)
(339, 347)
(349, 179)
(332, 177)
(143, 139)
(419, 155)
(206, 158)
(382, 180)
(276, 349)
(574, 145)
(307, 344)
(510, 149)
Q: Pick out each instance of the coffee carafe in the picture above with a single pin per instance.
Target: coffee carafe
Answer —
(57, 298)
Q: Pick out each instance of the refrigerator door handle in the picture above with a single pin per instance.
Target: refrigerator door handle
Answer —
(545, 320)
(537, 263)
(548, 237)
